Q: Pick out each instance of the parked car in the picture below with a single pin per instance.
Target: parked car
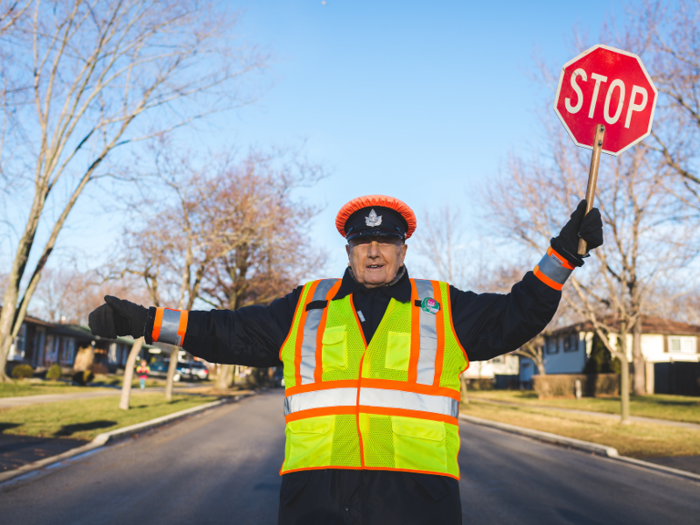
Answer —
(199, 371)
(183, 371)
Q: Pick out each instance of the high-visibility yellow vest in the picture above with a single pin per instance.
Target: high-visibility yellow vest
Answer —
(389, 405)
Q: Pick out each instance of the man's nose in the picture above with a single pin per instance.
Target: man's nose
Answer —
(373, 249)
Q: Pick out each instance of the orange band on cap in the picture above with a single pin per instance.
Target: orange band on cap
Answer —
(376, 200)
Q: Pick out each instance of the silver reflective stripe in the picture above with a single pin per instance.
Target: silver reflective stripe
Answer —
(168, 329)
(371, 397)
(334, 397)
(308, 346)
(379, 397)
(552, 267)
(428, 336)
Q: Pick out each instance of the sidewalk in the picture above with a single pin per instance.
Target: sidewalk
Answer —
(638, 419)
(10, 402)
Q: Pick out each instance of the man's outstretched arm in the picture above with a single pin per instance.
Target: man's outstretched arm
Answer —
(488, 325)
(249, 336)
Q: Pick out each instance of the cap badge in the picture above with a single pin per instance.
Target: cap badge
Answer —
(373, 219)
(430, 305)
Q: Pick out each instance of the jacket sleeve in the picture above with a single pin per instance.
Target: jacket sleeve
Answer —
(488, 325)
(249, 336)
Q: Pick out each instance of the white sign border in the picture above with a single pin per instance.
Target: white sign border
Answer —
(646, 74)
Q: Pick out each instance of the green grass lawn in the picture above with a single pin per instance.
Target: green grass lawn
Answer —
(86, 418)
(26, 388)
(660, 406)
(118, 380)
(638, 440)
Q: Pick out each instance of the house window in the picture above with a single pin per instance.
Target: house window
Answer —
(51, 343)
(553, 346)
(125, 354)
(39, 347)
(68, 350)
(17, 348)
(498, 360)
(680, 344)
(571, 343)
(112, 356)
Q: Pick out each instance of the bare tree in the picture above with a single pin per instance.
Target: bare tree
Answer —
(125, 398)
(668, 33)
(99, 75)
(260, 244)
(69, 295)
(235, 236)
(649, 238)
(443, 250)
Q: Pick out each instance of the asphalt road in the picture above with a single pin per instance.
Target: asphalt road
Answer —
(222, 467)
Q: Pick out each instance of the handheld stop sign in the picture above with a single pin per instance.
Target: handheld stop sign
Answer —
(606, 101)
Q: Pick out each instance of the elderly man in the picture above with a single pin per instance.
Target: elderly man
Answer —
(371, 366)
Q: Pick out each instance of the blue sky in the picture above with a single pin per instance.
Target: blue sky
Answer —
(419, 100)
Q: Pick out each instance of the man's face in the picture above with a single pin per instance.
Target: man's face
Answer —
(375, 261)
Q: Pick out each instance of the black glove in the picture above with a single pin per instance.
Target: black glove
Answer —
(587, 227)
(118, 317)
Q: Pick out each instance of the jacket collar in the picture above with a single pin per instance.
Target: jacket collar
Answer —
(399, 290)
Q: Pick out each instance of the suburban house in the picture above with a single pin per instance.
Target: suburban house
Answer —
(41, 344)
(671, 351)
(502, 369)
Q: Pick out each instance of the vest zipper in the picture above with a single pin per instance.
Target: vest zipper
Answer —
(359, 382)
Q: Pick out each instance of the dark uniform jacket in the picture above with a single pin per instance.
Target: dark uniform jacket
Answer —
(487, 325)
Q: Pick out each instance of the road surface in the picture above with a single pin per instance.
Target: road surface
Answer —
(222, 467)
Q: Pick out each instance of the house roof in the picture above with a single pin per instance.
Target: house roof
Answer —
(650, 325)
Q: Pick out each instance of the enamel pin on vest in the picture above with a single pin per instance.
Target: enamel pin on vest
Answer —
(430, 305)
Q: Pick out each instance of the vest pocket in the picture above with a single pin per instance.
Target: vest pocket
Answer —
(335, 349)
(419, 444)
(398, 351)
(309, 442)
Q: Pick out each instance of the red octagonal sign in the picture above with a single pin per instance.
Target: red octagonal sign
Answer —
(606, 86)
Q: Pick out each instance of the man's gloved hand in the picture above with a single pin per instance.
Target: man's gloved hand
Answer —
(118, 317)
(587, 227)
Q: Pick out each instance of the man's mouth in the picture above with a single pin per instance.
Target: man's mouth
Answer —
(374, 266)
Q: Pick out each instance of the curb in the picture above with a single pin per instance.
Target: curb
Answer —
(585, 446)
(114, 435)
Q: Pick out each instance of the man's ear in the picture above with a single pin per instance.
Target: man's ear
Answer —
(404, 247)
(347, 250)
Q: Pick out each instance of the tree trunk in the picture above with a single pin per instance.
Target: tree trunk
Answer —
(223, 381)
(84, 359)
(171, 372)
(129, 373)
(624, 377)
(639, 386)
(7, 316)
(539, 363)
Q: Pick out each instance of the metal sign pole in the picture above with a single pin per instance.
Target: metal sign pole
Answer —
(592, 178)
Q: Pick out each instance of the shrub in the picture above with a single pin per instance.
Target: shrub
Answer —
(564, 385)
(54, 372)
(481, 383)
(600, 360)
(83, 378)
(22, 372)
